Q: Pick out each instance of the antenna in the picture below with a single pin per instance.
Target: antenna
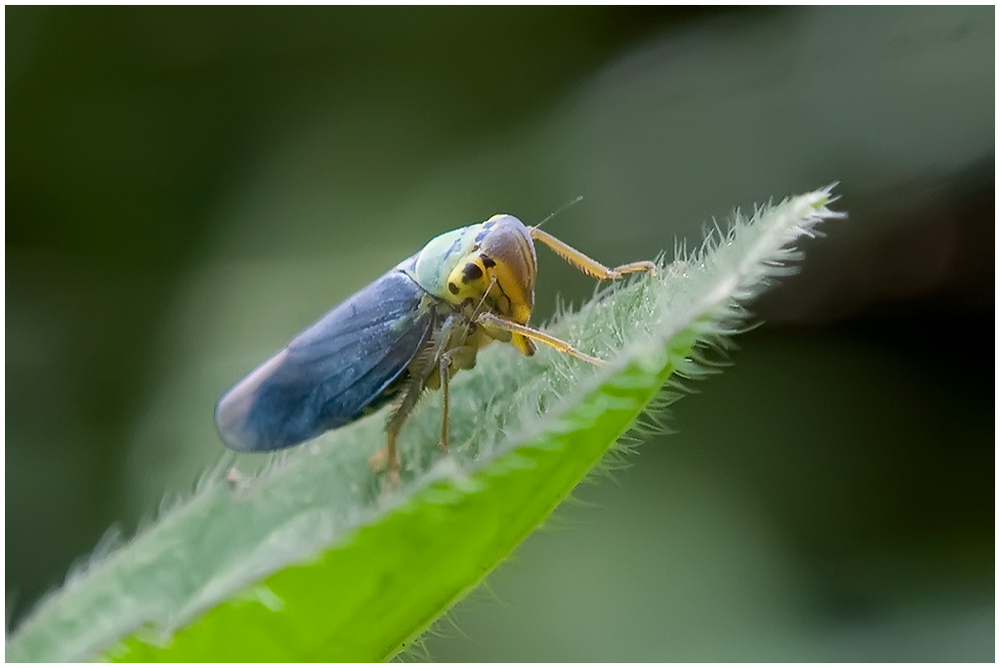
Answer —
(558, 211)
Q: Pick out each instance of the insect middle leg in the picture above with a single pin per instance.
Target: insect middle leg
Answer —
(388, 457)
(462, 357)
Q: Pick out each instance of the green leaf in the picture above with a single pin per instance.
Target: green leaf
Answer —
(311, 559)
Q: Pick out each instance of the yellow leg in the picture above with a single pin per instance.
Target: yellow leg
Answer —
(493, 322)
(588, 265)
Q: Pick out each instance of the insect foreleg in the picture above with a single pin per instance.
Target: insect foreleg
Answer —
(498, 328)
(586, 264)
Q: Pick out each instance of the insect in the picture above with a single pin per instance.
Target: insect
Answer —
(409, 330)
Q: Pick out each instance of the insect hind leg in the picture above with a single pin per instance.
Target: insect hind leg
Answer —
(429, 369)
(388, 457)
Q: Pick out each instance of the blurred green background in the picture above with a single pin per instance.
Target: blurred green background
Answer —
(188, 188)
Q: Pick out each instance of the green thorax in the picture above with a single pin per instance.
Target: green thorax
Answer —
(435, 261)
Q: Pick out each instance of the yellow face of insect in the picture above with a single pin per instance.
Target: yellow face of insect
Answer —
(504, 265)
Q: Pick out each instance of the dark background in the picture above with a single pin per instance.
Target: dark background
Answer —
(187, 188)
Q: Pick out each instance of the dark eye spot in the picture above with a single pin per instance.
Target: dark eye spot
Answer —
(452, 288)
(487, 261)
(471, 272)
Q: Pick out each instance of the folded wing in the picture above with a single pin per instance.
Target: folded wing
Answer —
(345, 365)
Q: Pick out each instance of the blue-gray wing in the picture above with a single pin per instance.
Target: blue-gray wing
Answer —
(343, 366)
